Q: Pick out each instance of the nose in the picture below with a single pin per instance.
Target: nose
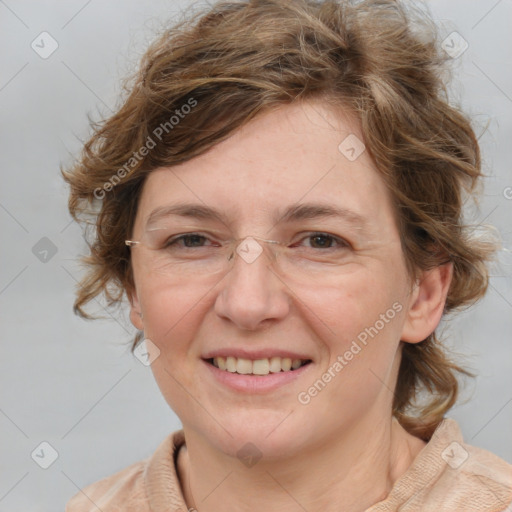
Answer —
(252, 295)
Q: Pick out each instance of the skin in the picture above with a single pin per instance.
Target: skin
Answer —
(343, 450)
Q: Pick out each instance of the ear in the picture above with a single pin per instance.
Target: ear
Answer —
(135, 310)
(427, 302)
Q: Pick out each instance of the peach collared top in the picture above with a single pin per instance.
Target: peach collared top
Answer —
(448, 475)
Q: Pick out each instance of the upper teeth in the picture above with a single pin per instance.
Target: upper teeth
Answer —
(257, 367)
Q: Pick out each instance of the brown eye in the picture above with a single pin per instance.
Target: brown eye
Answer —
(193, 240)
(189, 240)
(321, 241)
(325, 241)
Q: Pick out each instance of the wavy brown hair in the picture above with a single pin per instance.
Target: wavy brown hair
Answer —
(236, 60)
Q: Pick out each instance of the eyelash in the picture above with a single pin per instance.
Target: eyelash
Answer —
(334, 239)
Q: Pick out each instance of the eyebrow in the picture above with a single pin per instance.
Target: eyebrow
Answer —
(191, 210)
(312, 211)
(297, 212)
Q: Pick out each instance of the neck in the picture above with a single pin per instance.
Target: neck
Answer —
(354, 470)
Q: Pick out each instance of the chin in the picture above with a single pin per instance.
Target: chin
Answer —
(259, 433)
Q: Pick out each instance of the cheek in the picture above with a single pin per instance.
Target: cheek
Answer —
(365, 314)
(357, 303)
(173, 313)
(365, 318)
(172, 319)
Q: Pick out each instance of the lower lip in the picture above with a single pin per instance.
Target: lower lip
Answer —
(255, 383)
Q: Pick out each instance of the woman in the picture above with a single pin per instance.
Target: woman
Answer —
(280, 200)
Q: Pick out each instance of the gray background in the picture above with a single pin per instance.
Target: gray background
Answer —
(74, 383)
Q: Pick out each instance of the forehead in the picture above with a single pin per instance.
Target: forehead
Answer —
(299, 153)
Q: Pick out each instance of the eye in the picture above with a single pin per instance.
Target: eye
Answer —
(324, 241)
(188, 240)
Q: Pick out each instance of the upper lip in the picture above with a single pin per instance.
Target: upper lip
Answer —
(254, 354)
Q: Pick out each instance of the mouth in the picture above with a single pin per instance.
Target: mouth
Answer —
(259, 367)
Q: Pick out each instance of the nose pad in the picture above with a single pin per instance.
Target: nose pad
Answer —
(250, 249)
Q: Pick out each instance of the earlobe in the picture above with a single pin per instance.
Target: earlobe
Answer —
(135, 311)
(427, 303)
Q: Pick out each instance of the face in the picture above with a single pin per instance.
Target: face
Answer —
(341, 312)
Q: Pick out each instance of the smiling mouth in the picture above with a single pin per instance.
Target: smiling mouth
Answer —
(259, 366)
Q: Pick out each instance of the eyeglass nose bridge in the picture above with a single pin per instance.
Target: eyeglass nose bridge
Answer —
(249, 248)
